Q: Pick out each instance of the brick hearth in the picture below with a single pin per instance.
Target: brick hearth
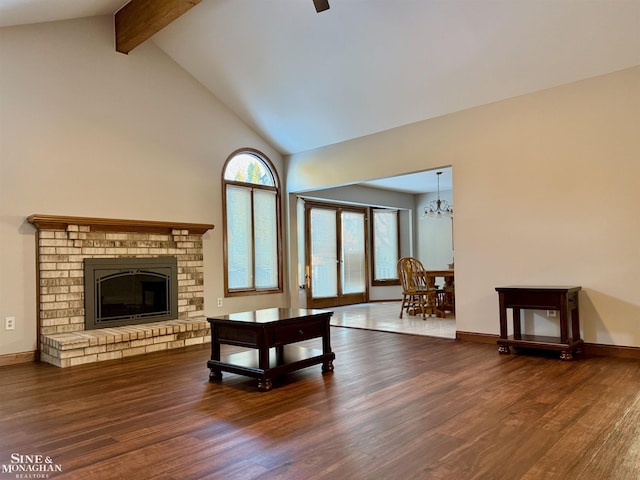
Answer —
(63, 244)
(69, 349)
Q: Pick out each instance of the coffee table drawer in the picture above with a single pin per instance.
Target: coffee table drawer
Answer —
(296, 332)
(237, 335)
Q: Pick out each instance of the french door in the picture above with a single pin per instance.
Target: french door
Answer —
(336, 255)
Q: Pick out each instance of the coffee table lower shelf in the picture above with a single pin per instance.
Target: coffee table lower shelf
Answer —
(282, 360)
(539, 342)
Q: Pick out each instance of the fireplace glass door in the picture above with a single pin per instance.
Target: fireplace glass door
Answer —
(126, 291)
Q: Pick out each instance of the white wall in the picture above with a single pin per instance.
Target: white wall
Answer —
(86, 131)
(546, 192)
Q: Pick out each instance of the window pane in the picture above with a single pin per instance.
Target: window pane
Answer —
(385, 244)
(266, 239)
(324, 282)
(239, 241)
(248, 168)
(353, 268)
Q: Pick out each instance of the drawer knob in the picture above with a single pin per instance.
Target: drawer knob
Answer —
(300, 332)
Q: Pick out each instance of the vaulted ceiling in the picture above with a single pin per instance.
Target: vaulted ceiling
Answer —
(305, 79)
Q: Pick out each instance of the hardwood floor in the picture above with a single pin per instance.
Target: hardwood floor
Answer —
(396, 407)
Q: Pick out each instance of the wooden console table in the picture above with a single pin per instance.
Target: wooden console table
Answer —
(270, 334)
(562, 299)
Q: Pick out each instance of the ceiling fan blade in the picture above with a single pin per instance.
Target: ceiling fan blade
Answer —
(321, 5)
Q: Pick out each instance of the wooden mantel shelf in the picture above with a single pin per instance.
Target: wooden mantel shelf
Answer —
(56, 222)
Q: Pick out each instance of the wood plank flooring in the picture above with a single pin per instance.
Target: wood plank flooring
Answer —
(396, 407)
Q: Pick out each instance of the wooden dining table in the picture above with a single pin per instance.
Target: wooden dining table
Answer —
(446, 301)
(447, 274)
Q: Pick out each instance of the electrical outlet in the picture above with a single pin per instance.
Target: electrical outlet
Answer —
(551, 313)
(219, 302)
(9, 323)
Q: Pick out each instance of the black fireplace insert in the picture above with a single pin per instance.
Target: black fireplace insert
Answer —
(129, 291)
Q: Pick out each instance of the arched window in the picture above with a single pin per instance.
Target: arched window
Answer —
(252, 226)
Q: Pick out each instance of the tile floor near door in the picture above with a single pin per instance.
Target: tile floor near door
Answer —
(384, 316)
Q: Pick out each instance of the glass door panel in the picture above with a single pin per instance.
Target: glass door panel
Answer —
(353, 271)
(336, 255)
(324, 253)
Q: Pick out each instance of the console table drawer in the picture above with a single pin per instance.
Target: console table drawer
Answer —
(296, 332)
(533, 300)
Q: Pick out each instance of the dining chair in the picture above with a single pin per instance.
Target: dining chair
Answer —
(417, 296)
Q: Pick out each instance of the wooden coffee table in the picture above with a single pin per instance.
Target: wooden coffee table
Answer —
(272, 335)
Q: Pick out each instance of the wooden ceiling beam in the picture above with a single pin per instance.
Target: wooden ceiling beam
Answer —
(138, 20)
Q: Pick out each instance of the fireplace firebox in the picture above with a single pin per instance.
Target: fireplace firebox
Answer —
(128, 291)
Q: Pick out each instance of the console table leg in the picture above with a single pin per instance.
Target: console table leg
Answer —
(215, 375)
(566, 355)
(575, 322)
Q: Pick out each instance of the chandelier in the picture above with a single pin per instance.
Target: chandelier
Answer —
(438, 208)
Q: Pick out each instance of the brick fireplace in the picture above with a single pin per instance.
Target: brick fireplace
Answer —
(63, 243)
